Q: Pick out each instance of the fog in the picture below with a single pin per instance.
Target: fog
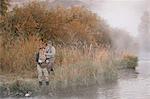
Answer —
(124, 14)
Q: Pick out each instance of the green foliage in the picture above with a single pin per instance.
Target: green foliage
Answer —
(20, 88)
(3, 7)
(130, 62)
(3, 91)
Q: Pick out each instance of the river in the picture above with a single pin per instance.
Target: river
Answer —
(131, 84)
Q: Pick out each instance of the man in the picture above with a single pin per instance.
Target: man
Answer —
(50, 55)
(42, 66)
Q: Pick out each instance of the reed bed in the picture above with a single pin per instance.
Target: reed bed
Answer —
(73, 66)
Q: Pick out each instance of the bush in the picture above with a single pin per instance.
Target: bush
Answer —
(62, 25)
(129, 61)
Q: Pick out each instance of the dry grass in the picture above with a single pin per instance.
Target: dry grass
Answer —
(73, 66)
(86, 68)
(19, 56)
(1, 52)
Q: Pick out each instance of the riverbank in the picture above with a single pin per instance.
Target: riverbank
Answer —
(70, 76)
(13, 85)
(129, 82)
(73, 73)
(26, 87)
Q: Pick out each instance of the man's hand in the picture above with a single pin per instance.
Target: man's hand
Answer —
(40, 61)
(47, 61)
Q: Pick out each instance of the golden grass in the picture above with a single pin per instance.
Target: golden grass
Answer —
(73, 66)
(19, 56)
(79, 68)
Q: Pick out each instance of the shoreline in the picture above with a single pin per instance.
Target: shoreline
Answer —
(29, 88)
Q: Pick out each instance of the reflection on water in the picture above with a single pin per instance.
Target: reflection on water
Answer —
(130, 85)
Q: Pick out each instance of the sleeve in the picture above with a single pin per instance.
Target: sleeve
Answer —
(53, 51)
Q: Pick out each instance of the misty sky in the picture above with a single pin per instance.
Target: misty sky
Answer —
(123, 14)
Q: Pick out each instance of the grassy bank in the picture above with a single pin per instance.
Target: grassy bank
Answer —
(73, 76)
(73, 67)
(70, 76)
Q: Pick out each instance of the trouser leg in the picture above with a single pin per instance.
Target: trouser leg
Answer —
(39, 70)
(51, 64)
(46, 75)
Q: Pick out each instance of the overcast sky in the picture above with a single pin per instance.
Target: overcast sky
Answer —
(123, 14)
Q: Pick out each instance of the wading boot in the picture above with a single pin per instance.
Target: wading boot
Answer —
(47, 83)
(40, 83)
(52, 70)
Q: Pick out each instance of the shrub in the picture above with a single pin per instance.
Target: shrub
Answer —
(129, 61)
(62, 25)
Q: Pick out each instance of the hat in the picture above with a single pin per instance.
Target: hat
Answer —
(49, 42)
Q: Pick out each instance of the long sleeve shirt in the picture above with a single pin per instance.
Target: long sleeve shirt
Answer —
(50, 52)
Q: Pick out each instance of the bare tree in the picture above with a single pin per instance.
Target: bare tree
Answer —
(144, 29)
